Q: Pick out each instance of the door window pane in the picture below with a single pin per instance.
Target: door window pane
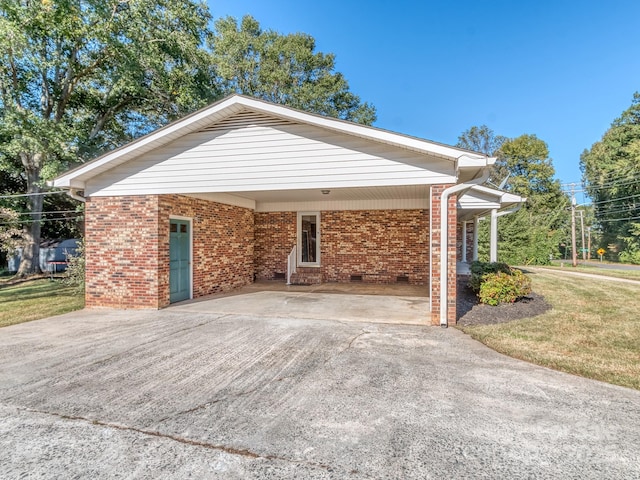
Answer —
(309, 238)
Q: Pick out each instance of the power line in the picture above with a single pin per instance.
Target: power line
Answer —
(609, 175)
(49, 212)
(611, 200)
(606, 220)
(16, 195)
(607, 186)
(588, 187)
(19, 222)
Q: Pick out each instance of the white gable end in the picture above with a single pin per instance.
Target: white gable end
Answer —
(253, 151)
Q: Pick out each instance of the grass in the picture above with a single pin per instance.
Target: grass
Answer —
(35, 299)
(593, 329)
(608, 272)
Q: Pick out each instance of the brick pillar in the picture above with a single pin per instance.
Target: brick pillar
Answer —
(121, 252)
(437, 255)
(452, 277)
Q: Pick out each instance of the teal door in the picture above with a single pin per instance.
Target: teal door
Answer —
(180, 262)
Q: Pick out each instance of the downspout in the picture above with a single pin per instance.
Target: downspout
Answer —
(444, 244)
(73, 193)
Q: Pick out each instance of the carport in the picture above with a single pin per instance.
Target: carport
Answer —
(354, 302)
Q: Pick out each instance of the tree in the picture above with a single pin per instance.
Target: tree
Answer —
(483, 140)
(611, 174)
(531, 234)
(78, 78)
(283, 69)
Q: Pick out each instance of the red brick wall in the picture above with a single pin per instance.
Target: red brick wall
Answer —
(275, 236)
(128, 248)
(437, 251)
(380, 245)
(222, 244)
(122, 252)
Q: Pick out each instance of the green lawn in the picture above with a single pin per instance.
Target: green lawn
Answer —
(609, 272)
(593, 329)
(36, 299)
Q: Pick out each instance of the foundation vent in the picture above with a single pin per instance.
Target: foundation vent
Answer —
(402, 279)
(356, 278)
(279, 276)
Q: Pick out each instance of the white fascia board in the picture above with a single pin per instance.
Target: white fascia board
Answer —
(505, 197)
(482, 197)
(76, 178)
(473, 205)
(469, 160)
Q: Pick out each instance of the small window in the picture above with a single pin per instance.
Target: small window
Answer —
(173, 228)
(183, 228)
(309, 238)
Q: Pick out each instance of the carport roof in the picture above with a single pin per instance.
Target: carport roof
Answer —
(479, 200)
(466, 162)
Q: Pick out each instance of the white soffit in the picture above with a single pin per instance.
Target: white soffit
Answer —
(397, 197)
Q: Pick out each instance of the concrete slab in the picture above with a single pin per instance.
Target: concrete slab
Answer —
(320, 306)
(177, 394)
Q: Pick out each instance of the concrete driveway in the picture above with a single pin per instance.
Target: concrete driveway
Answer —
(180, 394)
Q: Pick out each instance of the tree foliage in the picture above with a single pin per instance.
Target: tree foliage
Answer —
(531, 234)
(611, 174)
(78, 78)
(482, 139)
(283, 69)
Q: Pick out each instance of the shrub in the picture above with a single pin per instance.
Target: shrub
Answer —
(501, 287)
(480, 269)
(75, 268)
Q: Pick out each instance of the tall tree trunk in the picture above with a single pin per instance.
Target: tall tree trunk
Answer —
(30, 262)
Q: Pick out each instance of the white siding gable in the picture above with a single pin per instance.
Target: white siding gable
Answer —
(251, 152)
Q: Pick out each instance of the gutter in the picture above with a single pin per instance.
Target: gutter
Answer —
(73, 193)
(444, 222)
(513, 209)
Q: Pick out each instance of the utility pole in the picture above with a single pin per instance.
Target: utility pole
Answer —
(574, 258)
(589, 247)
(584, 252)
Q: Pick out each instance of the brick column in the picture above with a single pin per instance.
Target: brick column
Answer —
(121, 252)
(437, 255)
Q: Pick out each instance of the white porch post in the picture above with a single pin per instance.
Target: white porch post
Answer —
(493, 256)
(464, 242)
(476, 224)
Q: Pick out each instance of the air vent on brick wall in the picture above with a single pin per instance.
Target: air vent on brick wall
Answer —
(402, 279)
(279, 276)
(356, 278)
(245, 120)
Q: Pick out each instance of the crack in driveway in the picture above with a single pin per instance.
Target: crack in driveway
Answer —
(243, 452)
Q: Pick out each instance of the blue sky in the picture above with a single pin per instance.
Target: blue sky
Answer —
(562, 70)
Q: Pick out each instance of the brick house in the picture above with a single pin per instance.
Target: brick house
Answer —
(245, 190)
